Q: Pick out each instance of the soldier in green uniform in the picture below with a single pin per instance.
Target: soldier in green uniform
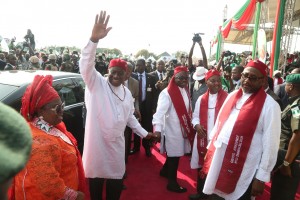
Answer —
(287, 169)
(67, 65)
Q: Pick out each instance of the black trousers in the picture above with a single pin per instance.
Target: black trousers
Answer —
(127, 135)
(200, 184)
(170, 167)
(284, 187)
(146, 123)
(113, 188)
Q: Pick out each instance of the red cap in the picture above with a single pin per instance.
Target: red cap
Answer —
(211, 73)
(118, 63)
(260, 66)
(180, 69)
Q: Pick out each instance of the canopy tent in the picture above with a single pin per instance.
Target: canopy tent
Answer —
(245, 37)
(265, 12)
(151, 58)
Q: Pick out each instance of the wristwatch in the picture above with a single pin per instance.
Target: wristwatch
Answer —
(286, 163)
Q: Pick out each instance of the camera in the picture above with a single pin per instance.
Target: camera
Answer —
(197, 37)
(227, 53)
(25, 44)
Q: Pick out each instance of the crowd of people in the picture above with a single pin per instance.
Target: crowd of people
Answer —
(240, 126)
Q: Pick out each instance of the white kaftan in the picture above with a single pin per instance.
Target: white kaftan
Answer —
(262, 153)
(107, 117)
(210, 124)
(166, 121)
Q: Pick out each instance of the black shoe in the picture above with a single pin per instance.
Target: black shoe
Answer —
(198, 196)
(176, 188)
(163, 173)
(148, 152)
(133, 151)
(125, 175)
(124, 187)
(195, 196)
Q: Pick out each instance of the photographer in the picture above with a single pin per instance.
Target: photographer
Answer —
(30, 39)
(202, 63)
(227, 83)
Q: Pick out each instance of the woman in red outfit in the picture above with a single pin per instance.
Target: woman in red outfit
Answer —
(54, 170)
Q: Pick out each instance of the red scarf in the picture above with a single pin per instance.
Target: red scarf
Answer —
(183, 114)
(202, 142)
(240, 139)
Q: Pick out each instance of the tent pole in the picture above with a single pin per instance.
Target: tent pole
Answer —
(257, 18)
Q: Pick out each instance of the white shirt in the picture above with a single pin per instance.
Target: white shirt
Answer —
(143, 85)
(262, 153)
(107, 117)
(166, 121)
(158, 74)
(212, 102)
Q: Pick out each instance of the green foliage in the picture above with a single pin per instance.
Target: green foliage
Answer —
(59, 49)
(146, 54)
(178, 54)
(110, 52)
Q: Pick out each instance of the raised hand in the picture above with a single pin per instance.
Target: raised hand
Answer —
(100, 29)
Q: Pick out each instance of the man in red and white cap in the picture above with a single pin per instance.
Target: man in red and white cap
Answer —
(241, 156)
(204, 116)
(109, 109)
(176, 129)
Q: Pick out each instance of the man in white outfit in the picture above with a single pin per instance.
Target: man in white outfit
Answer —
(206, 111)
(241, 155)
(109, 109)
(172, 120)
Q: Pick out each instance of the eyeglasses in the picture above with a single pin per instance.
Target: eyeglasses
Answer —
(182, 77)
(213, 81)
(251, 78)
(59, 108)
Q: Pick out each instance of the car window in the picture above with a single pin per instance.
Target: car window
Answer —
(79, 90)
(65, 89)
(6, 90)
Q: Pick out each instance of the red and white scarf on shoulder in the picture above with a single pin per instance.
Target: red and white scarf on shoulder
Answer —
(240, 139)
(202, 141)
(184, 115)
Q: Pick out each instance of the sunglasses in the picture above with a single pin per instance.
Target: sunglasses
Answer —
(182, 77)
(59, 108)
(251, 78)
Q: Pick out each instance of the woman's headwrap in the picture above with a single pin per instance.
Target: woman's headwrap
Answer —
(37, 94)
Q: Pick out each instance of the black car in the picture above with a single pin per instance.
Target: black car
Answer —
(69, 86)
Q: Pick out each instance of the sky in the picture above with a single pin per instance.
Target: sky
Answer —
(156, 25)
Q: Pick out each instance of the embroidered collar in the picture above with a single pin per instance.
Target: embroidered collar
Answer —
(41, 124)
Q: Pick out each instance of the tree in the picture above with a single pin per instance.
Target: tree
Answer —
(178, 54)
(144, 52)
(107, 51)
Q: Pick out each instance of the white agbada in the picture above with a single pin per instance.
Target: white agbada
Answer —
(107, 117)
(166, 121)
(260, 158)
(210, 124)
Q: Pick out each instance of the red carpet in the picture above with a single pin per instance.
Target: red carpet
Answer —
(144, 183)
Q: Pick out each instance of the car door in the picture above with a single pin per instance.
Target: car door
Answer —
(72, 94)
